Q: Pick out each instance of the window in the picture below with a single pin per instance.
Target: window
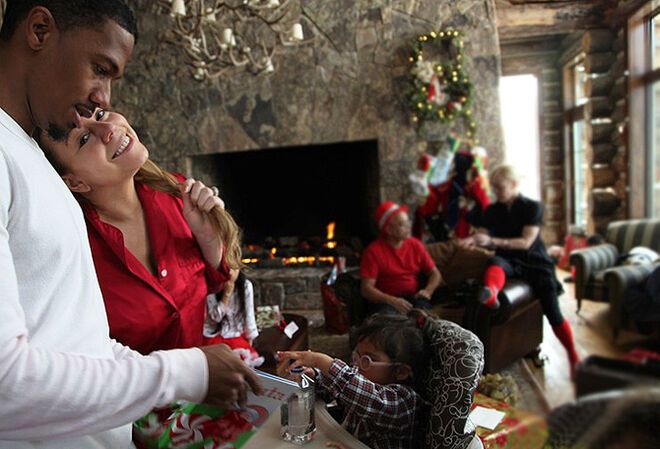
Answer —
(520, 121)
(578, 170)
(644, 143)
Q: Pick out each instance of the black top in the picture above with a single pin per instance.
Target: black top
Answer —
(504, 222)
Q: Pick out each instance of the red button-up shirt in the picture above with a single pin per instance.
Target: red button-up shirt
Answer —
(148, 312)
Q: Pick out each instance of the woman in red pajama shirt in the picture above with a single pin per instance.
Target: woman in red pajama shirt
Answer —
(157, 254)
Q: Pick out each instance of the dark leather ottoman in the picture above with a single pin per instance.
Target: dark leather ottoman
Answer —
(272, 339)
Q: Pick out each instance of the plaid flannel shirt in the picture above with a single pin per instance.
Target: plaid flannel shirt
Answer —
(381, 416)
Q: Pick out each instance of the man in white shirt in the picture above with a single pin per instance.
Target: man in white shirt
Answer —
(63, 382)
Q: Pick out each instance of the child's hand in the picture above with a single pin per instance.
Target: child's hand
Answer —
(309, 372)
(307, 359)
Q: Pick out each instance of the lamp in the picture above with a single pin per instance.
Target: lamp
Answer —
(219, 36)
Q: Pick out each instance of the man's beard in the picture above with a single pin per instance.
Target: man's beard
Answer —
(57, 133)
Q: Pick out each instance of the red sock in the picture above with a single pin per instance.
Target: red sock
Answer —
(565, 335)
(494, 279)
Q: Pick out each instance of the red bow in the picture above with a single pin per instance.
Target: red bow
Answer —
(281, 324)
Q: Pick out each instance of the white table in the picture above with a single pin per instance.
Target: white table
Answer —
(327, 429)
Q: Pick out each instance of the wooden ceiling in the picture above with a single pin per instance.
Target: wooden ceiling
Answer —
(521, 19)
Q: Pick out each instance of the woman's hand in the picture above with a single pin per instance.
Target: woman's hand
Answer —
(198, 201)
(481, 239)
(467, 241)
(307, 359)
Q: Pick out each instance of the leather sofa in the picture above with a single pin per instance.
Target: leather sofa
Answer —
(509, 333)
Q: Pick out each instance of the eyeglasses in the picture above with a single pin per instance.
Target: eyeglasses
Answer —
(364, 362)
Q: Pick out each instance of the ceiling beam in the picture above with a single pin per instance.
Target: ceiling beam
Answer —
(518, 19)
(522, 2)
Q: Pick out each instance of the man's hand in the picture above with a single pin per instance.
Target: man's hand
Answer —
(401, 305)
(229, 376)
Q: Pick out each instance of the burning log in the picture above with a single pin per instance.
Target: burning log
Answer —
(276, 262)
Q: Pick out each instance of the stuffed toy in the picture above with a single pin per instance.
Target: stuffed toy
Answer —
(639, 255)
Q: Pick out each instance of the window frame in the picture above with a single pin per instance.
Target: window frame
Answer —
(640, 118)
(573, 113)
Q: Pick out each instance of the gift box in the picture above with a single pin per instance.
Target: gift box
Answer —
(186, 425)
(518, 428)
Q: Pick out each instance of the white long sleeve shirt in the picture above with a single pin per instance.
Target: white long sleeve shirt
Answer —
(63, 382)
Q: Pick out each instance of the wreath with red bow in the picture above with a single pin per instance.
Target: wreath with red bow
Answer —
(440, 90)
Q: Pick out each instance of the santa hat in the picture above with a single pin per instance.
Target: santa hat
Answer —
(386, 211)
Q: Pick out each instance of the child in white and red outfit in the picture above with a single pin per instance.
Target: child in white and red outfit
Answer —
(230, 318)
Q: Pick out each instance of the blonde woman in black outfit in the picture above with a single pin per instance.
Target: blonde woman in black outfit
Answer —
(511, 226)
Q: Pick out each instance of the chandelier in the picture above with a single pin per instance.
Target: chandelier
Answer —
(218, 36)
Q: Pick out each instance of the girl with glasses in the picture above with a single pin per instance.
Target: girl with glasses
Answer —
(381, 405)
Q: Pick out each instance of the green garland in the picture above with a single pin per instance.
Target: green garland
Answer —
(440, 91)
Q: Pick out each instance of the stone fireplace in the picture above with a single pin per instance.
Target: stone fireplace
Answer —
(287, 196)
(345, 94)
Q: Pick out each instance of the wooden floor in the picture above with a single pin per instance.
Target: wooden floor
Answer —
(593, 335)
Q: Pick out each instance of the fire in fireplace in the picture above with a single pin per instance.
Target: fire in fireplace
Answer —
(293, 252)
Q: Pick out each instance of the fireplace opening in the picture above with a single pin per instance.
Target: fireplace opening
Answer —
(292, 194)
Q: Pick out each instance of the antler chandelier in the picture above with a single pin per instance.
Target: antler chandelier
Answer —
(218, 36)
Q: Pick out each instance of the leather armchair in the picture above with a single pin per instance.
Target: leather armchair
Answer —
(617, 281)
(598, 277)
